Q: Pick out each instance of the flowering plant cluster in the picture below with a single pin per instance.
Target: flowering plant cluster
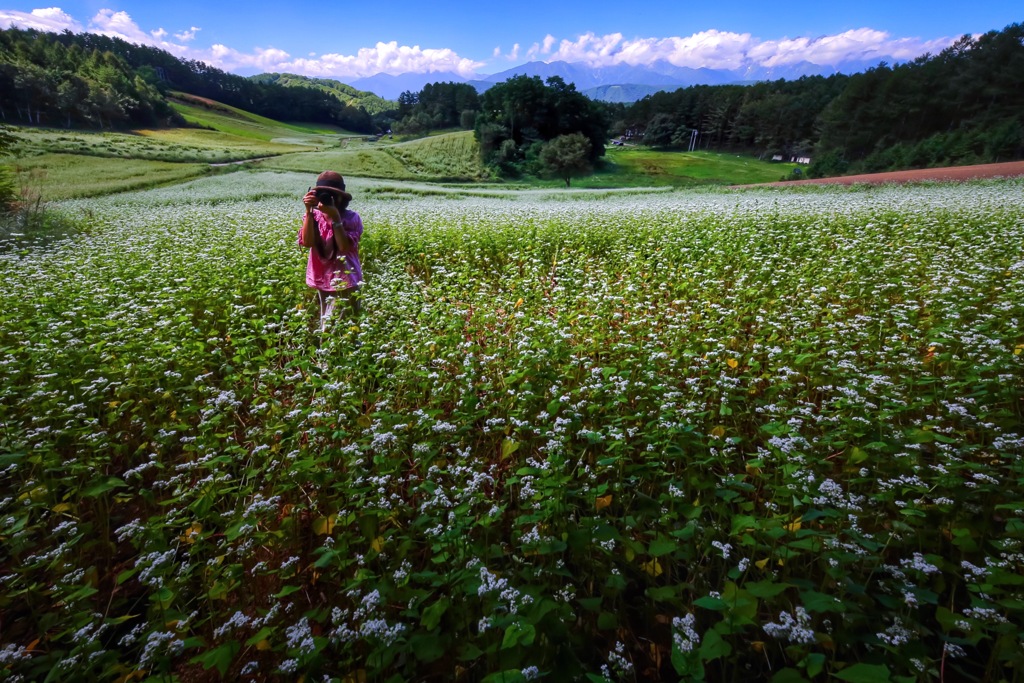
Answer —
(638, 435)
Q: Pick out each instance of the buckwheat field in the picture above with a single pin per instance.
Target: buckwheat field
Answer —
(620, 436)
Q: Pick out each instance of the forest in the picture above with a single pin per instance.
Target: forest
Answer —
(93, 81)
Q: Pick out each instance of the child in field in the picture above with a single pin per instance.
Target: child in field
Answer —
(331, 232)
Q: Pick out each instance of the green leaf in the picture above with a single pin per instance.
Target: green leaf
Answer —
(287, 590)
(432, 615)
(219, 657)
(864, 673)
(765, 589)
(508, 447)
(714, 646)
(518, 634)
(662, 593)
(708, 602)
(427, 647)
(788, 675)
(262, 634)
(815, 663)
(662, 545)
(100, 487)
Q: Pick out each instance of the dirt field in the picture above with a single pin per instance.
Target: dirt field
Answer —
(1012, 168)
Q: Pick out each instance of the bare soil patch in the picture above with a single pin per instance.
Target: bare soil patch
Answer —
(1003, 170)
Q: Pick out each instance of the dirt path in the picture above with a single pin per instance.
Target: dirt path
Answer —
(1011, 168)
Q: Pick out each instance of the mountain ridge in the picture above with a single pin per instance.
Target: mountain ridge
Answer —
(618, 81)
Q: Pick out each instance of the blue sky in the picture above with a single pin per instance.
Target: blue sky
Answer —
(354, 40)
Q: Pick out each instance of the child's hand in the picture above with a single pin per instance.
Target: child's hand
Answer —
(310, 200)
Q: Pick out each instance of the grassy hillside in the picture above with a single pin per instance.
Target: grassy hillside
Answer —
(210, 114)
(368, 101)
(448, 157)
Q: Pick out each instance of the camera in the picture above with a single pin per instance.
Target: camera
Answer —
(325, 197)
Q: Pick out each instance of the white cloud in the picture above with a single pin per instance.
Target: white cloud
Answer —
(50, 19)
(389, 58)
(511, 56)
(189, 35)
(727, 50)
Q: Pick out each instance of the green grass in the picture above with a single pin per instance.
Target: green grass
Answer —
(67, 176)
(632, 165)
(243, 124)
(447, 157)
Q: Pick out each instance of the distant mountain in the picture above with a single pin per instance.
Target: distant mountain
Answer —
(619, 83)
(625, 94)
(390, 87)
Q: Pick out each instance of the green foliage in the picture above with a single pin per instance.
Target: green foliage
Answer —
(8, 186)
(653, 435)
(518, 116)
(566, 157)
(45, 82)
(438, 106)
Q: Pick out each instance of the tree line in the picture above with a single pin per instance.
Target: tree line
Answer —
(96, 81)
(963, 105)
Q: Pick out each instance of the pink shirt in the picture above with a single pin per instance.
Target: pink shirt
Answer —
(342, 270)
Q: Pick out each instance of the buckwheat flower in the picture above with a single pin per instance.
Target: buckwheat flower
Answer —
(530, 673)
(986, 614)
(684, 637)
(250, 668)
(129, 530)
(725, 548)
(918, 563)
(953, 650)
(300, 636)
(973, 573)
(11, 654)
(617, 659)
(237, 620)
(158, 640)
(796, 629)
(896, 635)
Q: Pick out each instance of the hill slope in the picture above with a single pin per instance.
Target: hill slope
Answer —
(443, 158)
(348, 95)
